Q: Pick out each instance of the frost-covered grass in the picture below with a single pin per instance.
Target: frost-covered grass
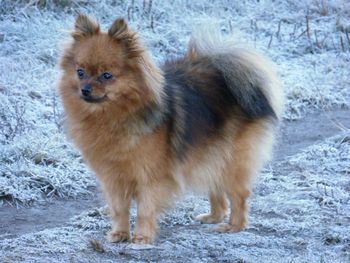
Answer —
(309, 41)
(42, 166)
(329, 183)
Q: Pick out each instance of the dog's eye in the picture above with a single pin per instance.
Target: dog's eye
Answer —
(107, 75)
(81, 73)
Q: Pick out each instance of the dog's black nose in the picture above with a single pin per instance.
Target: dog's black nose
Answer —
(86, 90)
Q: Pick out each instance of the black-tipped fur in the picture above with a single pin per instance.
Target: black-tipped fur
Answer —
(85, 27)
(119, 30)
(245, 85)
(200, 98)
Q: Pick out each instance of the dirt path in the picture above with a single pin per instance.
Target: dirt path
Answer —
(295, 136)
(18, 221)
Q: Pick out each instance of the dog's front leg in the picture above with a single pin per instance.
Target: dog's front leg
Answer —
(151, 201)
(148, 208)
(119, 202)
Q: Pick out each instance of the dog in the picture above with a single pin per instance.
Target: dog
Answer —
(205, 121)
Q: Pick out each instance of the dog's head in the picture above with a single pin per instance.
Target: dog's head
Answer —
(101, 69)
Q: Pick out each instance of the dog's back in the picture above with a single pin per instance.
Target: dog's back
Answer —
(213, 83)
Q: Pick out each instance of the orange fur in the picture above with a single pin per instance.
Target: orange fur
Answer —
(133, 158)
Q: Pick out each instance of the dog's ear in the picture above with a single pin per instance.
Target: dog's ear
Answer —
(120, 31)
(85, 27)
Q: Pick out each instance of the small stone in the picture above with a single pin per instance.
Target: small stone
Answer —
(34, 94)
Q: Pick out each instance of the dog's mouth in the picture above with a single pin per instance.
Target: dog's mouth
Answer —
(93, 99)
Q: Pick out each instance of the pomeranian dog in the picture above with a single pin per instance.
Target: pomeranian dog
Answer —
(205, 121)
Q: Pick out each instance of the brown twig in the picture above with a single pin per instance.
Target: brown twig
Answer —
(149, 6)
(308, 33)
(292, 35)
(255, 27)
(131, 10)
(308, 26)
(317, 43)
(333, 43)
(342, 44)
(347, 36)
(152, 23)
(324, 40)
(302, 33)
(269, 45)
(279, 29)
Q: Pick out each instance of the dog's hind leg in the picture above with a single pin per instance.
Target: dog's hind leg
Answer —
(218, 208)
(237, 191)
(239, 210)
(251, 147)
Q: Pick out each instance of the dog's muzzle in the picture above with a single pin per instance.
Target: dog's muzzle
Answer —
(86, 94)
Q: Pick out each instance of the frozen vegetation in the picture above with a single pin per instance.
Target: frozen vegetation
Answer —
(300, 210)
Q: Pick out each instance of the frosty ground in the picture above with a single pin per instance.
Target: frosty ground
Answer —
(51, 208)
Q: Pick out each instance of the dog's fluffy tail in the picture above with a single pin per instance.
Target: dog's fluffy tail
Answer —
(250, 77)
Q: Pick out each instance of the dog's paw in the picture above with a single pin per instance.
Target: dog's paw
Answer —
(228, 228)
(118, 236)
(141, 240)
(209, 219)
